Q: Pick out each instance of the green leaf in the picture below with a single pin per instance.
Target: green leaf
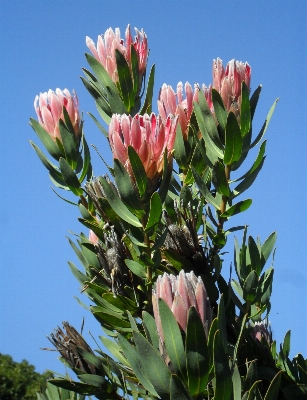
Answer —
(297, 392)
(138, 171)
(236, 286)
(236, 349)
(151, 329)
(179, 150)
(204, 190)
(114, 349)
(69, 143)
(101, 74)
(248, 180)
(254, 100)
(136, 268)
(50, 166)
(70, 177)
(104, 115)
(245, 112)
(46, 139)
(237, 384)
(52, 392)
(219, 179)
(273, 390)
(94, 380)
(125, 80)
(178, 391)
(286, 345)
(219, 109)
(117, 205)
(77, 274)
(173, 339)
(267, 248)
(98, 124)
(254, 255)
(152, 362)
(79, 387)
(126, 189)
(134, 70)
(197, 354)
(250, 286)
(237, 208)
(208, 119)
(155, 211)
(86, 160)
(223, 382)
(233, 140)
(166, 177)
(221, 318)
(264, 127)
(147, 106)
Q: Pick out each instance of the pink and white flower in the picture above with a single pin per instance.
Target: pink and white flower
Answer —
(174, 103)
(180, 293)
(49, 110)
(110, 41)
(148, 135)
(228, 81)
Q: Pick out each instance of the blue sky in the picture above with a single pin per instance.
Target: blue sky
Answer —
(43, 46)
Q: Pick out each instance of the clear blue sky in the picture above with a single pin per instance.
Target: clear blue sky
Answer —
(43, 46)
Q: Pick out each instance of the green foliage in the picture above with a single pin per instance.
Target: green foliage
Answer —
(18, 380)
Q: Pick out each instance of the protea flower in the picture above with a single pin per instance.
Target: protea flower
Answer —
(173, 103)
(228, 82)
(148, 135)
(180, 293)
(110, 41)
(262, 330)
(92, 237)
(49, 110)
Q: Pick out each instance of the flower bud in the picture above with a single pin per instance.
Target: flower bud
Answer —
(149, 136)
(110, 41)
(262, 330)
(49, 110)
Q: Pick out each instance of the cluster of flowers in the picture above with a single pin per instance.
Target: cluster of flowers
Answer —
(150, 136)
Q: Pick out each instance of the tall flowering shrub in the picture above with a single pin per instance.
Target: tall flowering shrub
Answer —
(156, 228)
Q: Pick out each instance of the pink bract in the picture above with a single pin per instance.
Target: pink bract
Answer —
(49, 110)
(173, 103)
(110, 41)
(148, 135)
(228, 81)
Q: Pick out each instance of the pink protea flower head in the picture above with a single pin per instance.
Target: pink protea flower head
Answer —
(110, 41)
(180, 293)
(228, 82)
(49, 110)
(173, 103)
(148, 135)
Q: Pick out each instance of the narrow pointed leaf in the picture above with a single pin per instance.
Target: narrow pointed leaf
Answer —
(267, 247)
(248, 180)
(219, 109)
(179, 147)
(273, 390)
(125, 80)
(254, 100)
(117, 205)
(126, 189)
(210, 145)
(237, 385)
(204, 190)
(138, 171)
(70, 177)
(101, 74)
(245, 112)
(134, 70)
(221, 317)
(178, 391)
(86, 160)
(147, 106)
(156, 370)
(264, 127)
(233, 140)
(46, 139)
(151, 329)
(136, 268)
(173, 339)
(49, 165)
(237, 208)
(254, 255)
(196, 354)
(250, 286)
(155, 211)
(98, 124)
(223, 382)
(69, 142)
(219, 179)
